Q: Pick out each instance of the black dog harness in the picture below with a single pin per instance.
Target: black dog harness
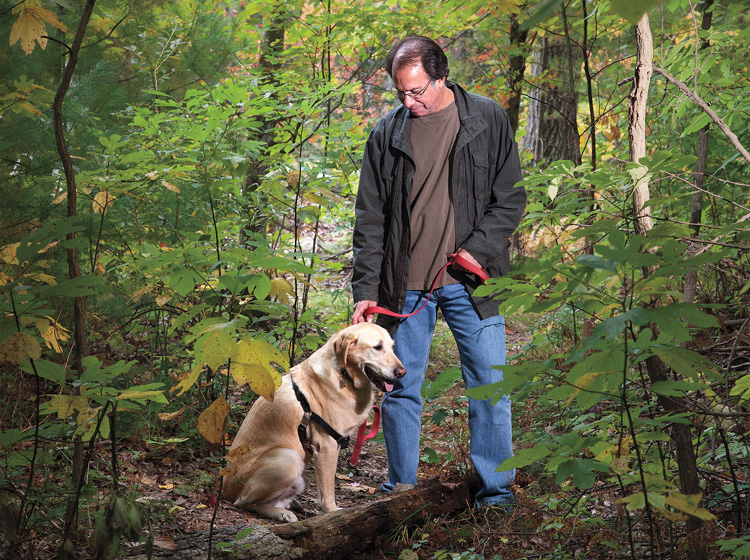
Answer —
(342, 441)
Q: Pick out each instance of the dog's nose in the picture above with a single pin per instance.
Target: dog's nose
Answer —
(399, 372)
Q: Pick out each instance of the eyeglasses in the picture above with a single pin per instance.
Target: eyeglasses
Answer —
(412, 93)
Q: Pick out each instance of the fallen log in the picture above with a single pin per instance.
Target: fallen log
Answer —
(339, 533)
(328, 536)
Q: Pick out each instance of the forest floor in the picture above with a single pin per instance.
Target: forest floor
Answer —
(179, 489)
(176, 480)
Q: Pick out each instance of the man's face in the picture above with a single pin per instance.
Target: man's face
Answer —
(412, 79)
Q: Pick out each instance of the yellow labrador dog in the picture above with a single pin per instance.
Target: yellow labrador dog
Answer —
(321, 401)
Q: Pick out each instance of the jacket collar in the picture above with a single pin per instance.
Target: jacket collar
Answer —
(472, 121)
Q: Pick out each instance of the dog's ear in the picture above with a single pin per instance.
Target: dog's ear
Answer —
(341, 346)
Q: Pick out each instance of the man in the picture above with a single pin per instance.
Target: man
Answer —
(438, 176)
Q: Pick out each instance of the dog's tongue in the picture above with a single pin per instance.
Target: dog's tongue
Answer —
(388, 387)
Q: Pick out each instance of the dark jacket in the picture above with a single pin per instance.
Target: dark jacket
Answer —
(488, 207)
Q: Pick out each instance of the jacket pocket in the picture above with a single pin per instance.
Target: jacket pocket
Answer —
(479, 180)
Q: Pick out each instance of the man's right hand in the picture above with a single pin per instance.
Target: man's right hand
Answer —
(359, 311)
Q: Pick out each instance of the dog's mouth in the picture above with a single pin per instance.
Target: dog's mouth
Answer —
(373, 376)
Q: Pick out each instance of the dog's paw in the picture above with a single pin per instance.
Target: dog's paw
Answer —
(286, 516)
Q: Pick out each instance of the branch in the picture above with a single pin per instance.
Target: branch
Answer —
(703, 105)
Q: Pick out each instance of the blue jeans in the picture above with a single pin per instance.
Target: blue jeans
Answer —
(481, 344)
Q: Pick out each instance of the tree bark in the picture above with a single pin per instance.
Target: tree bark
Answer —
(334, 535)
(657, 370)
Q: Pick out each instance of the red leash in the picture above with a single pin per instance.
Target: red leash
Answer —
(454, 258)
(361, 436)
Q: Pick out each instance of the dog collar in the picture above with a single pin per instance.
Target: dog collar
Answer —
(342, 441)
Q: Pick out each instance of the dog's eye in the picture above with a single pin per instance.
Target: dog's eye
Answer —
(378, 346)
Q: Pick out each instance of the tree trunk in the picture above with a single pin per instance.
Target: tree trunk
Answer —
(74, 271)
(657, 370)
(551, 131)
(338, 534)
(517, 41)
(696, 203)
(270, 62)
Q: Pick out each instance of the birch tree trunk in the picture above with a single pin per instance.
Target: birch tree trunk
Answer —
(657, 370)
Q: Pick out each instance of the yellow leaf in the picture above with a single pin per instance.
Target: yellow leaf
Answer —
(261, 380)
(46, 278)
(102, 200)
(99, 23)
(163, 299)
(30, 27)
(236, 453)
(282, 289)
(29, 108)
(27, 29)
(137, 394)
(507, 6)
(254, 351)
(139, 293)
(8, 253)
(189, 380)
(253, 360)
(688, 503)
(52, 332)
(19, 346)
(215, 349)
(66, 405)
(171, 186)
(212, 421)
(167, 416)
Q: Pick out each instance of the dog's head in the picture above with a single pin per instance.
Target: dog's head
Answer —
(365, 350)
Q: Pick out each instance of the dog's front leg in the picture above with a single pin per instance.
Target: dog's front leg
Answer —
(326, 458)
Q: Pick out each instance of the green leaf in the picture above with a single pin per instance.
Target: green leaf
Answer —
(687, 362)
(742, 388)
(526, 457)
(583, 472)
(73, 287)
(595, 261)
(699, 122)
(46, 370)
(444, 381)
(9, 437)
(614, 326)
(544, 13)
(183, 281)
(674, 388)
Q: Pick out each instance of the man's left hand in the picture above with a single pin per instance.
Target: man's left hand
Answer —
(463, 253)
